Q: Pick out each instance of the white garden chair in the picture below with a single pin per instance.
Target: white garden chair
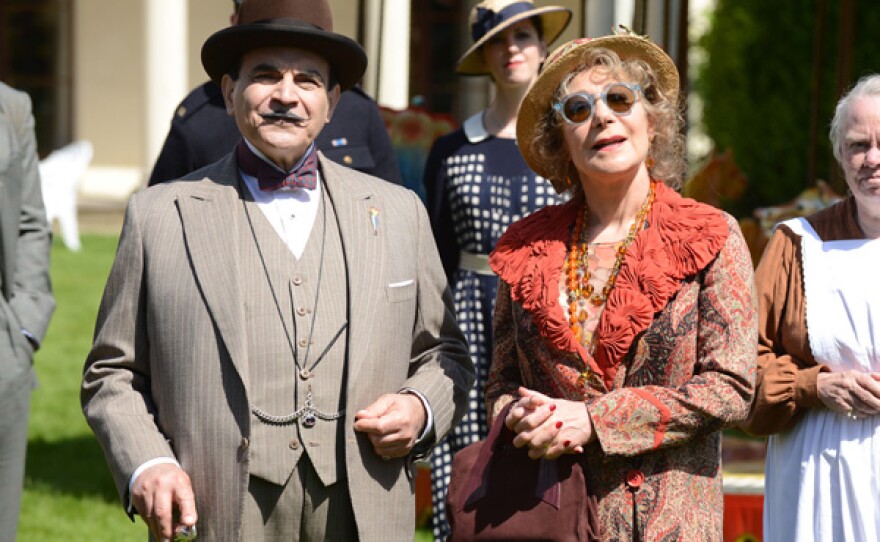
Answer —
(61, 173)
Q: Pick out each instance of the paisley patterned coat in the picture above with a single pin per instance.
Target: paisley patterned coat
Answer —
(674, 363)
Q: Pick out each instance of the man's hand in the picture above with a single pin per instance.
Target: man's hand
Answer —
(393, 423)
(157, 493)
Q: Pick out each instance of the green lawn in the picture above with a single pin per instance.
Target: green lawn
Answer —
(68, 493)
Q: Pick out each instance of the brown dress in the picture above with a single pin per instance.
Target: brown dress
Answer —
(786, 380)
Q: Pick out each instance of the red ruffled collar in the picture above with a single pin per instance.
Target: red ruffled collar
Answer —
(682, 237)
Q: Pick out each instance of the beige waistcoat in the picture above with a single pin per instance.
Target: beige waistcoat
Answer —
(281, 380)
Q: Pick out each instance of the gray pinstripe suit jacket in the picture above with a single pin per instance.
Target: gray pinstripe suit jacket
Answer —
(25, 235)
(26, 301)
(168, 371)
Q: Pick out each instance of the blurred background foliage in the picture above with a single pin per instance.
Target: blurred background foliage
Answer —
(774, 71)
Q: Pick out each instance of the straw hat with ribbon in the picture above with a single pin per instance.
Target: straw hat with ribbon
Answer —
(490, 17)
(562, 62)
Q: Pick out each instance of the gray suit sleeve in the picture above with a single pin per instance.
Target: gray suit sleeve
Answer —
(115, 395)
(32, 298)
(442, 368)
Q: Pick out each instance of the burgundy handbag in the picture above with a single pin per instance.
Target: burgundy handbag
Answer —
(497, 492)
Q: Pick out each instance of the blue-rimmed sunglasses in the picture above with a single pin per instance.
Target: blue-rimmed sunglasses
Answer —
(577, 108)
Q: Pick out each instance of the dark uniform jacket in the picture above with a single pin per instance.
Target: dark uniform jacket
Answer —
(202, 133)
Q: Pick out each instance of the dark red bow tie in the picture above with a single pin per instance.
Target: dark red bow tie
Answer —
(304, 175)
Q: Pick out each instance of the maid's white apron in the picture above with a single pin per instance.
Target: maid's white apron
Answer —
(823, 477)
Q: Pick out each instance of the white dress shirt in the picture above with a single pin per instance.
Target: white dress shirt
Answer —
(291, 211)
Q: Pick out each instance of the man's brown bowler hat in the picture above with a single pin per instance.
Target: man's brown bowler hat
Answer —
(304, 24)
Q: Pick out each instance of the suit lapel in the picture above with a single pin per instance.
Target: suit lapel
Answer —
(364, 252)
(215, 226)
(9, 207)
(7, 226)
(214, 229)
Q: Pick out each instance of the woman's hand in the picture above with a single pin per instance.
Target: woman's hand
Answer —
(851, 392)
(549, 427)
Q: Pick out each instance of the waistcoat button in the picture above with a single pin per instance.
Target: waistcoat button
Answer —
(294, 445)
(634, 478)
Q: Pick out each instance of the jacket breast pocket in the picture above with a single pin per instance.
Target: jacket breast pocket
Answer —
(400, 291)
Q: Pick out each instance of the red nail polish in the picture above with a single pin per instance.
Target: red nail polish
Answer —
(558, 425)
(566, 443)
(552, 408)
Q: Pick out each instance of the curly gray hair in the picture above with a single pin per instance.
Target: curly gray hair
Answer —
(667, 148)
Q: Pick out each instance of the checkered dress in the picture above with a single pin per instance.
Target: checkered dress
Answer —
(475, 190)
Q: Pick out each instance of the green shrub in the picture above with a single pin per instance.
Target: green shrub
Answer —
(757, 87)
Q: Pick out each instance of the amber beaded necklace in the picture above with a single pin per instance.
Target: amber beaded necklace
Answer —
(580, 291)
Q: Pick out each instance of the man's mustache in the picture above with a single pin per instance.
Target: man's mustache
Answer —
(285, 116)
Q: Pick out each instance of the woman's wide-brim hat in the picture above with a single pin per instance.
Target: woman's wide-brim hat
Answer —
(564, 60)
(302, 24)
(490, 17)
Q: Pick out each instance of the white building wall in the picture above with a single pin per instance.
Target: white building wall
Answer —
(166, 70)
(135, 60)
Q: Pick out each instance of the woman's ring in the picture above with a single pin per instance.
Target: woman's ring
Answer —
(185, 533)
(851, 415)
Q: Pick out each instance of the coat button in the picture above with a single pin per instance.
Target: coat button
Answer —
(347, 160)
(245, 443)
(634, 478)
(294, 445)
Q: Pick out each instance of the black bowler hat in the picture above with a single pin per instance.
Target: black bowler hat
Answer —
(304, 24)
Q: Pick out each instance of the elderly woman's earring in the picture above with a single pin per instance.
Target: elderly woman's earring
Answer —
(649, 162)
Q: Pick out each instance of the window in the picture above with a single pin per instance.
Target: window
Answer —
(35, 56)
(437, 32)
